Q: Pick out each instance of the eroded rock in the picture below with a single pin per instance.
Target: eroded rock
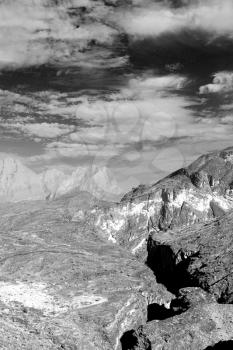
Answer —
(196, 194)
(201, 255)
(203, 325)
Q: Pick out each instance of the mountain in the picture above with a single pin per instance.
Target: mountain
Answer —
(97, 181)
(153, 271)
(191, 195)
(19, 183)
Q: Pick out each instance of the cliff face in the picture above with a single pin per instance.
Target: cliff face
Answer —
(192, 258)
(195, 194)
(202, 326)
(200, 255)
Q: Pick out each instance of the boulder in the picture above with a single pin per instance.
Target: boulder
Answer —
(205, 324)
(201, 255)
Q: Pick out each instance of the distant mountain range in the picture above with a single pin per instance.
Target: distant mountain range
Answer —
(19, 183)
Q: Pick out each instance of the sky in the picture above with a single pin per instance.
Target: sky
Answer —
(138, 87)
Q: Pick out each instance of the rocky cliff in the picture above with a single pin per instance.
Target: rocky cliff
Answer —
(192, 258)
(191, 195)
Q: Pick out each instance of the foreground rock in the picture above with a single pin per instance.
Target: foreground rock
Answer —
(64, 287)
(205, 324)
(201, 255)
(195, 194)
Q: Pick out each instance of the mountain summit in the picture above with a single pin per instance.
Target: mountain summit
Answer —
(19, 183)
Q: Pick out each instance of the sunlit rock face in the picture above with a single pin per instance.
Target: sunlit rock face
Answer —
(195, 194)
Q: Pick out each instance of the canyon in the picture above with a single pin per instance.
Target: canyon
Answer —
(151, 271)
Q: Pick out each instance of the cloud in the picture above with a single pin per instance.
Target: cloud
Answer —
(87, 32)
(147, 110)
(211, 16)
(227, 119)
(41, 130)
(150, 86)
(87, 152)
(42, 31)
(222, 82)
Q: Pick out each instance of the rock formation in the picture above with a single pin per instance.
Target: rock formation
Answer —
(70, 277)
(200, 256)
(196, 256)
(204, 324)
(192, 195)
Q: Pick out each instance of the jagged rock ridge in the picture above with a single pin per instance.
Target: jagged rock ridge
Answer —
(193, 255)
(195, 194)
(18, 182)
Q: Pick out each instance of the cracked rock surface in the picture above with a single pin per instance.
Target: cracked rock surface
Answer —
(200, 256)
(204, 324)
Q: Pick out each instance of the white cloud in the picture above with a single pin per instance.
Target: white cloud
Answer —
(38, 32)
(149, 86)
(228, 119)
(211, 16)
(41, 130)
(222, 82)
(77, 150)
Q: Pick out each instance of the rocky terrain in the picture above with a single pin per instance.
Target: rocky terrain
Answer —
(64, 287)
(151, 272)
(203, 324)
(198, 193)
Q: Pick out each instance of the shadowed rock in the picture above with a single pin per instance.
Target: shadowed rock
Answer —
(204, 324)
(201, 255)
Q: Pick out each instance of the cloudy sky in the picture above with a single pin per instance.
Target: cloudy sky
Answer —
(139, 87)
